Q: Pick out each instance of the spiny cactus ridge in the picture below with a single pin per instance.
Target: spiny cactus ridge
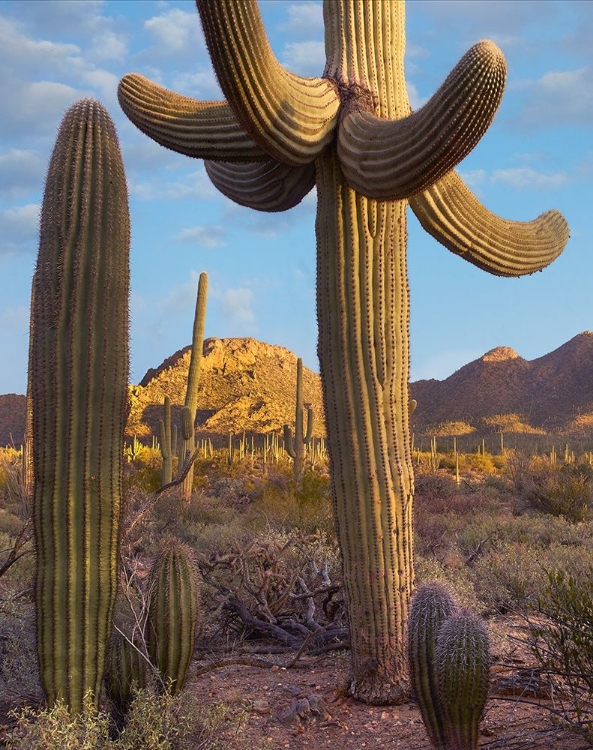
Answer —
(78, 385)
(463, 672)
(173, 613)
(295, 447)
(167, 439)
(371, 156)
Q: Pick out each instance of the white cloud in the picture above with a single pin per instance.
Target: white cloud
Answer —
(474, 177)
(210, 235)
(177, 31)
(558, 98)
(181, 297)
(304, 58)
(18, 229)
(193, 185)
(21, 171)
(237, 305)
(520, 178)
(416, 101)
(201, 85)
(304, 18)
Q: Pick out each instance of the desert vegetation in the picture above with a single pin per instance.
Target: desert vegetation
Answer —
(135, 570)
(511, 541)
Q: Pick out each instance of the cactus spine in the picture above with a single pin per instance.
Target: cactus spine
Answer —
(79, 379)
(432, 605)
(172, 613)
(463, 669)
(296, 447)
(371, 156)
(191, 396)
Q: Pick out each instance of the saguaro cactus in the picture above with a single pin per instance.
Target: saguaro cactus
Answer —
(462, 661)
(193, 376)
(352, 133)
(432, 605)
(167, 442)
(295, 446)
(78, 383)
(172, 613)
(126, 671)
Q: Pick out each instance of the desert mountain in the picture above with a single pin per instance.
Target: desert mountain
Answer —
(553, 393)
(249, 385)
(244, 385)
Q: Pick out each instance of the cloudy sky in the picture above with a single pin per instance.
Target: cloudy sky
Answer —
(537, 155)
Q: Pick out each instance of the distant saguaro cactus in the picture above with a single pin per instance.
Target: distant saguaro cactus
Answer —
(295, 446)
(173, 612)
(167, 442)
(78, 384)
(353, 134)
(193, 377)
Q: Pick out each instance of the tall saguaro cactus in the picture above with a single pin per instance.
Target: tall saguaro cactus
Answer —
(78, 384)
(295, 446)
(352, 133)
(193, 377)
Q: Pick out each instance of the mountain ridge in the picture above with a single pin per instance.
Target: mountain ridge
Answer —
(248, 385)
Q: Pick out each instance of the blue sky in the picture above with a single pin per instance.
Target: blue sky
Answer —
(537, 155)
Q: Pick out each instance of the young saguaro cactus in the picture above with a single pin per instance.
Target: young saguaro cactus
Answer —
(78, 384)
(173, 612)
(167, 442)
(462, 661)
(432, 605)
(295, 447)
(126, 671)
(353, 135)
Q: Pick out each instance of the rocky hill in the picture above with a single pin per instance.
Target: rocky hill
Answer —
(249, 385)
(553, 393)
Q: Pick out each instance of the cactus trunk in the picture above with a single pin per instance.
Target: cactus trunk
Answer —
(79, 375)
(363, 304)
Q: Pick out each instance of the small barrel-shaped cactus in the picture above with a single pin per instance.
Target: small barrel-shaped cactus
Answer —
(463, 671)
(173, 613)
(78, 372)
(432, 605)
(126, 671)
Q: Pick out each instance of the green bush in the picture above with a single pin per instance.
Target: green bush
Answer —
(565, 491)
(562, 643)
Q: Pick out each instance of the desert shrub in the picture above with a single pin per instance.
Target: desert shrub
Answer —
(458, 581)
(153, 722)
(19, 674)
(482, 463)
(565, 491)
(562, 643)
(511, 576)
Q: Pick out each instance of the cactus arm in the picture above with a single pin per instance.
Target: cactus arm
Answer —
(203, 130)
(290, 117)
(265, 186)
(309, 432)
(79, 391)
(394, 159)
(451, 213)
(288, 442)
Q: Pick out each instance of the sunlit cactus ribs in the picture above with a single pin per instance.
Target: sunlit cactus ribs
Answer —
(352, 133)
(78, 385)
(173, 613)
(296, 445)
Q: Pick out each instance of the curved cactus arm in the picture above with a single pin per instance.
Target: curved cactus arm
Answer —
(290, 117)
(288, 442)
(452, 214)
(394, 159)
(265, 186)
(203, 130)
(309, 433)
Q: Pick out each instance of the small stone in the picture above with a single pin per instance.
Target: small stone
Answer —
(261, 706)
